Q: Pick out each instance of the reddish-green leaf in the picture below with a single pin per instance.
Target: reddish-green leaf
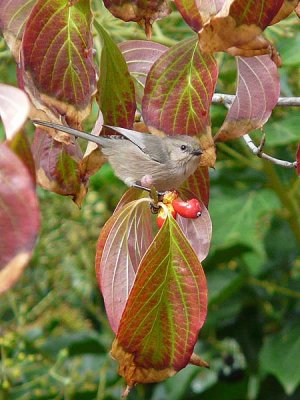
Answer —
(196, 13)
(189, 9)
(13, 16)
(198, 183)
(237, 23)
(116, 96)
(257, 94)
(122, 243)
(19, 217)
(166, 307)
(57, 166)
(179, 90)
(14, 109)
(20, 145)
(286, 9)
(178, 94)
(140, 55)
(254, 12)
(57, 59)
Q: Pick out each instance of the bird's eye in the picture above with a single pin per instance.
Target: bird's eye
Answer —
(183, 147)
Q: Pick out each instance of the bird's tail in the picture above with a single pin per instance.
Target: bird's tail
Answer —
(71, 131)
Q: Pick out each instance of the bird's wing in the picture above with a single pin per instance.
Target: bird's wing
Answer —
(152, 145)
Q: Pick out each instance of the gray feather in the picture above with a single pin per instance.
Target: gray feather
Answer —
(152, 145)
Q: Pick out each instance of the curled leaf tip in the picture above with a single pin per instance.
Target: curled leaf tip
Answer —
(196, 360)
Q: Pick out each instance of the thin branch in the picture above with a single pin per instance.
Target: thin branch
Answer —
(227, 100)
(259, 153)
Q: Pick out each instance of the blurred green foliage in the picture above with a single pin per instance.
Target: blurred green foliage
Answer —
(54, 335)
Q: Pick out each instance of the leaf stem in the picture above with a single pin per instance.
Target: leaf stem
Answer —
(285, 197)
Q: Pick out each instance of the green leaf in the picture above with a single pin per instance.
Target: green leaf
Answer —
(116, 97)
(283, 131)
(280, 357)
(288, 48)
(167, 305)
(242, 219)
(222, 284)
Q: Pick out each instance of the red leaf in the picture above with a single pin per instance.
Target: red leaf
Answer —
(140, 55)
(165, 310)
(257, 94)
(57, 59)
(14, 109)
(122, 243)
(13, 17)
(286, 9)
(19, 217)
(57, 166)
(198, 184)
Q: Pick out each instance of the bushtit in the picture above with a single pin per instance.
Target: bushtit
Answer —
(144, 159)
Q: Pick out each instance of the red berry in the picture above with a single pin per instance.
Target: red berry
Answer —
(187, 209)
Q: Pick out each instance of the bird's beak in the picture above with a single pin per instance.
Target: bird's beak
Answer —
(197, 152)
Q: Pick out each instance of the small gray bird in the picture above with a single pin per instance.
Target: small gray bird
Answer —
(144, 159)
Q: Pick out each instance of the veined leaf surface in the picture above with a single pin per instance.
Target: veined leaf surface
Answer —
(165, 310)
(140, 55)
(57, 57)
(13, 16)
(179, 90)
(57, 166)
(122, 243)
(198, 183)
(257, 94)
